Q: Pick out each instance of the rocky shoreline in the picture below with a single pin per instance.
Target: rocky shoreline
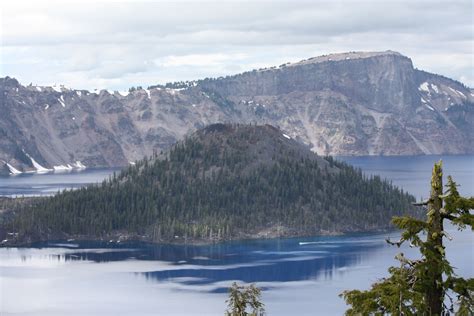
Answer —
(118, 238)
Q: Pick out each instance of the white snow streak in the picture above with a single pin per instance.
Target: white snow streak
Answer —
(458, 92)
(63, 168)
(429, 107)
(435, 88)
(56, 88)
(39, 168)
(424, 87)
(62, 102)
(13, 170)
(174, 91)
(79, 165)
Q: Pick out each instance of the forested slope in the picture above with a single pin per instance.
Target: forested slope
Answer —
(222, 182)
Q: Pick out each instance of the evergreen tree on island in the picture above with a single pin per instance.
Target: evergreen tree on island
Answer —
(427, 286)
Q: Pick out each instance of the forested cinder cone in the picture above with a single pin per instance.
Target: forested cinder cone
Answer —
(222, 182)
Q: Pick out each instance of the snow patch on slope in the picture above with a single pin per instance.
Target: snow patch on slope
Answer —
(12, 169)
(62, 168)
(39, 168)
(79, 165)
(177, 90)
(61, 100)
(429, 107)
(458, 92)
(67, 167)
(56, 88)
(424, 87)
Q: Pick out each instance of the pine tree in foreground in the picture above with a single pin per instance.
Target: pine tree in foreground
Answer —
(427, 286)
(242, 298)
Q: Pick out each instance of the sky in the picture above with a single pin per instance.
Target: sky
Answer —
(100, 44)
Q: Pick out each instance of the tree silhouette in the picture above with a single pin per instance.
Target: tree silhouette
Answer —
(421, 287)
(243, 298)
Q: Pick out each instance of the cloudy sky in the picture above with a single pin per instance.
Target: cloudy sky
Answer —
(117, 44)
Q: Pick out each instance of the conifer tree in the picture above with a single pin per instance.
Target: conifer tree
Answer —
(244, 298)
(427, 286)
(214, 187)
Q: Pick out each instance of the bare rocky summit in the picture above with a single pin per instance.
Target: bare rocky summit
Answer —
(358, 103)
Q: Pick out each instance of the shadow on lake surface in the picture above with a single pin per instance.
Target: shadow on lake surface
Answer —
(303, 274)
(273, 260)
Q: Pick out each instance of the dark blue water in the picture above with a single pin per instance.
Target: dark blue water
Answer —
(411, 173)
(298, 275)
(414, 173)
(273, 260)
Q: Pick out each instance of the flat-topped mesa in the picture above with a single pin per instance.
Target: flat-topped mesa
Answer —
(345, 56)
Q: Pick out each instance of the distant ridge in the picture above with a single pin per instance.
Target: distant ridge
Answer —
(356, 103)
(346, 56)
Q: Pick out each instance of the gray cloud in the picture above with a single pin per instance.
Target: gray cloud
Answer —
(117, 44)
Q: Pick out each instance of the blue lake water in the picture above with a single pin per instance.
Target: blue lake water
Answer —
(413, 173)
(299, 275)
(31, 184)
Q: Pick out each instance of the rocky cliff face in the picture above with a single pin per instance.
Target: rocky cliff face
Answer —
(342, 104)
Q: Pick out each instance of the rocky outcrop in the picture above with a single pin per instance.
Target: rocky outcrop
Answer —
(341, 104)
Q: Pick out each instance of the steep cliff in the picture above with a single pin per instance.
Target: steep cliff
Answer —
(342, 104)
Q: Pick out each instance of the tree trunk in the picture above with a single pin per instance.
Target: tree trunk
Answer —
(434, 294)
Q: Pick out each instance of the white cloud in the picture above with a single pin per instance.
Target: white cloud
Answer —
(199, 60)
(123, 43)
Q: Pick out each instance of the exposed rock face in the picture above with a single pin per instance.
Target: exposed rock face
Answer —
(342, 104)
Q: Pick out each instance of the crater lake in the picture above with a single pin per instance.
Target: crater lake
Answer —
(301, 275)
